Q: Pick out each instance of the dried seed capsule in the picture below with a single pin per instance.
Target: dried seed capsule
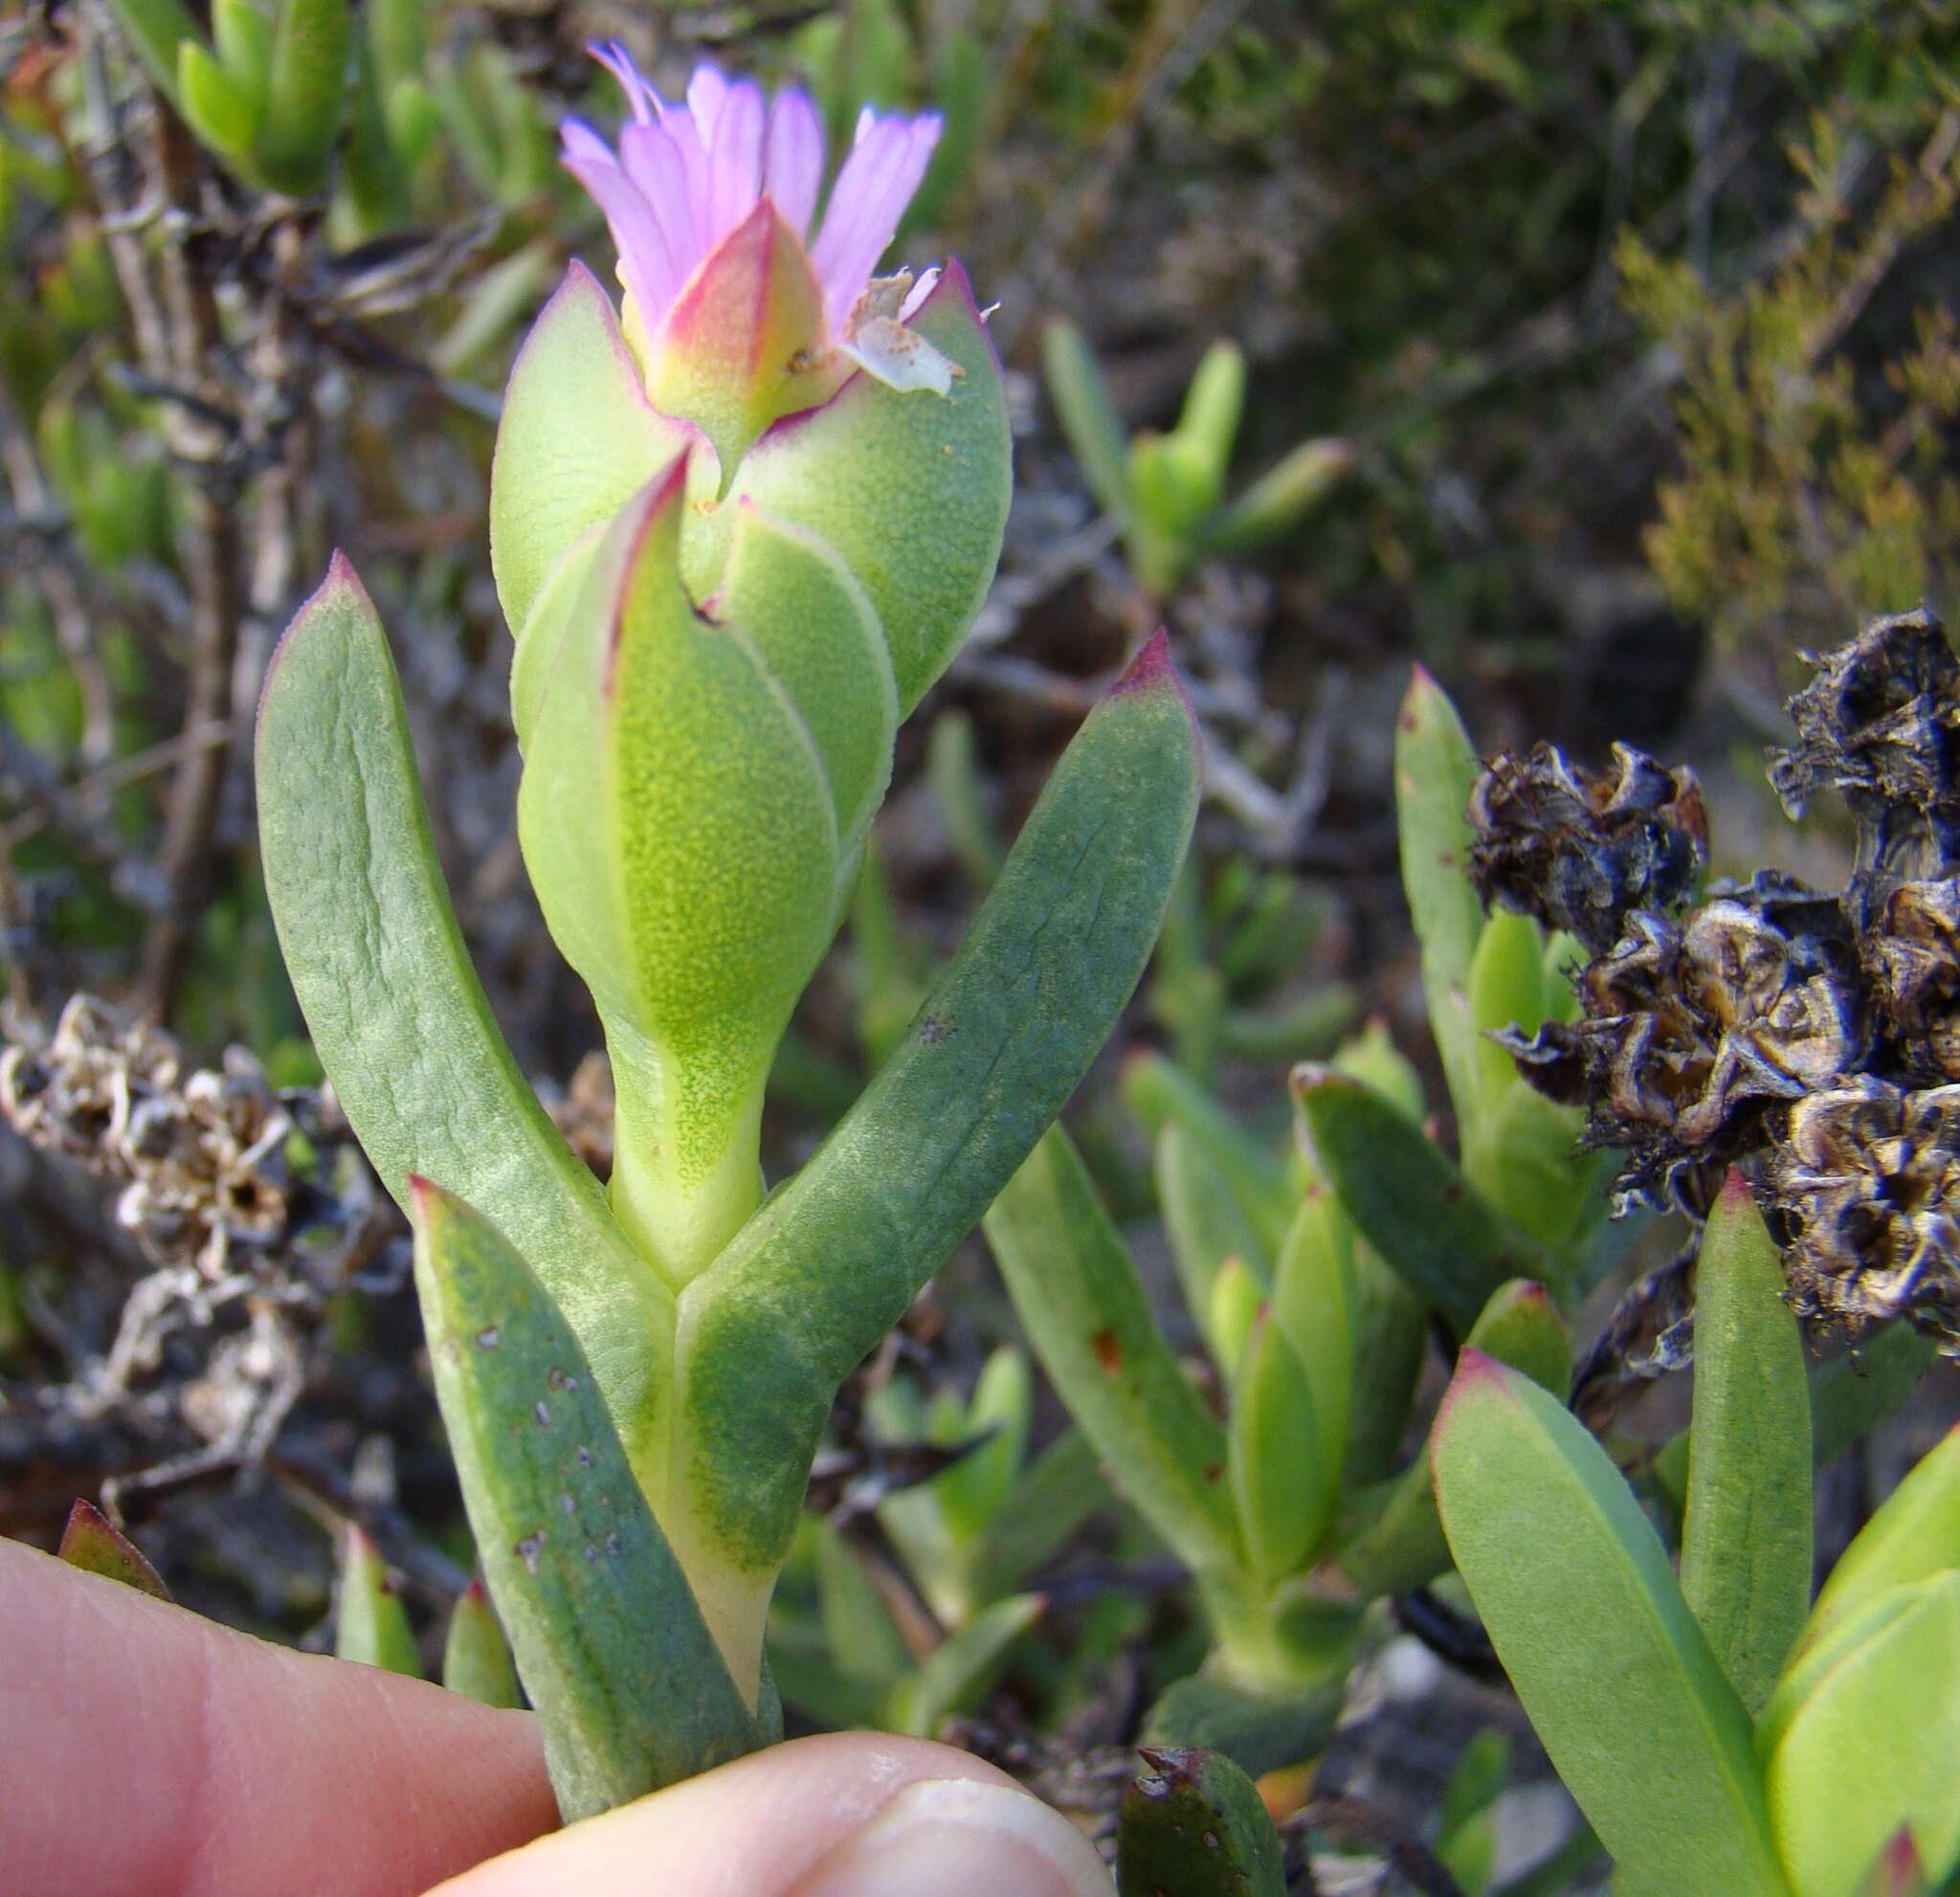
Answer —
(1865, 1178)
(1689, 1030)
(1913, 958)
(1579, 850)
(1881, 722)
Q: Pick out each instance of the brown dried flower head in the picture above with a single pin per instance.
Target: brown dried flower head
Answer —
(1881, 722)
(1688, 1029)
(1581, 849)
(1866, 1180)
(1912, 957)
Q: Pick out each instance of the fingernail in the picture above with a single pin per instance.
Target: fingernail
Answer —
(961, 1838)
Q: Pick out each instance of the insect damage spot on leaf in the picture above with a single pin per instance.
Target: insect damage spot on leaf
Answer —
(1108, 1352)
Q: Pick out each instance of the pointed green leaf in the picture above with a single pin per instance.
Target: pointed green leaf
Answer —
(370, 1621)
(1402, 1545)
(1087, 415)
(1205, 1225)
(92, 1542)
(910, 489)
(858, 1626)
(243, 37)
(218, 104)
(156, 28)
(1057, 1493)
(975, 1488)
(1228, 1321)
(1582, 1605)
(1436, 768)
(1276, 1456)
(1088, 1319)
(1192, 1822)
(952, 768)
(1213, 405)
(578, 441)
(1281, 497)
(1427, 1221)
(1913, 1536)
(960, 1672)
(1390, 1340)
(475, 1657)
(1161, 1094)
(304, 89)
(1315, 1302)
(1745, 1539)
(398, 1017)
(819, 1275)
(610, 1642)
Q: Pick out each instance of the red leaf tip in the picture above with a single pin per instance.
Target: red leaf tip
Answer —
(1735, 1190)
(1151, 666)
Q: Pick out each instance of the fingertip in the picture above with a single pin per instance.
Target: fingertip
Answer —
(767, 1825)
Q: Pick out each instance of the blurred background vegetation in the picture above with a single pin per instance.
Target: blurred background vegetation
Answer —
(1598, 355)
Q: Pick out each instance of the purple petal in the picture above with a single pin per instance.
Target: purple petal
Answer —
(618, 61)
(793, 159)
(878, 182)
(707, 90)
(645, 263)
(735, 149)
(652, 160)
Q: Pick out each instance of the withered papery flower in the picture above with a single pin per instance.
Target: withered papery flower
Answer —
(1881, 722)
(1912, 957)
(1865, 1180)
(1581, 849)
(1689, 1030)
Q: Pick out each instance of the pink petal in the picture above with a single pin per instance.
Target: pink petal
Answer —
(707, 89)
(618, 61)
(645, 263)
(736, 150)
(652, 161)
(883, 171)
(792, 161)
(697, 169)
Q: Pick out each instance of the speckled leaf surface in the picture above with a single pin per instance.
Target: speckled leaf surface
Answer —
(610, 1644)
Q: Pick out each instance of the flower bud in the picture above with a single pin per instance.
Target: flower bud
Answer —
(696, 787)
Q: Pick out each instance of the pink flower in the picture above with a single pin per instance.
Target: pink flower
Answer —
(686, 175)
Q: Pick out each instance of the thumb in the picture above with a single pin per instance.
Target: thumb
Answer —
(847, 1814)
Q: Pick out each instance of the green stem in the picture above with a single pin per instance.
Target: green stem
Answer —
(678, 1216)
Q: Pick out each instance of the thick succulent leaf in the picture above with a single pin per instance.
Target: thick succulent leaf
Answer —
(911, 489)
(1281, 497)
(1089, 1321)
(1206, 1224)
(1615, 1673)
(1746, 1541)
(979, 1485)
(370, 1620)
(1277, 1461)
(679, 830)
(610, 1644)
(824, 1270)
(1259, 1732)
(1316, 1304)
(1436, 768)
(1861, 1737)
(305, 90)
(1401, 1543)
(1088, 416)
(475, 1657)
(398, 1016)
(960, 1672)
(156, 28)
(858, 1626)
(1192, 1822)
(578, 440)
(1161, 1094)
(1391, 1339)
(1428, 1222)
(1912, 1537)
(90, 1542)
(813, 627)
(1055, 1496)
